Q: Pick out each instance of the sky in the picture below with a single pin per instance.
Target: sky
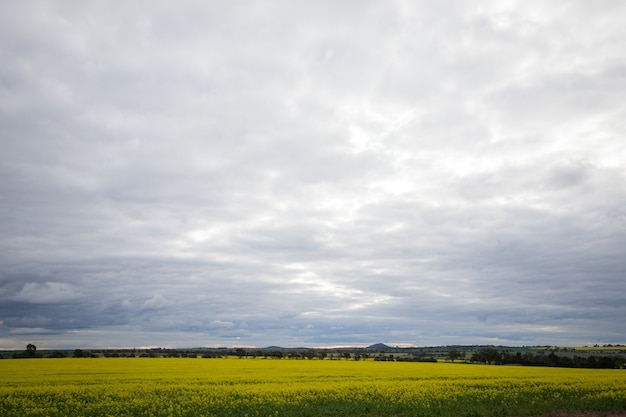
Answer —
(312, 173)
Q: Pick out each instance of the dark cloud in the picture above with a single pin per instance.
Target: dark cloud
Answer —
(311, 174)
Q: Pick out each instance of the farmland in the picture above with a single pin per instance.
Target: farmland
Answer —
(282, 387)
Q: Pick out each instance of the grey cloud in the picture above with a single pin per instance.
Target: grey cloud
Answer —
(310, 174)
(49, 292)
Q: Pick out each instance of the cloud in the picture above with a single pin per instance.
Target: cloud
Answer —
(311, 174)
(221, 324)
(46, 293)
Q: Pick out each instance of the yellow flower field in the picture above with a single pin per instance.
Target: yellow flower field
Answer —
(258, 387)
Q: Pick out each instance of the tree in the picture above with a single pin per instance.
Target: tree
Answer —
(31, 349)
(276, 354)
(487, 355)
(454, 354)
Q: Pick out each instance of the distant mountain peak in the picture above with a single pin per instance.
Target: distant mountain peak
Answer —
(378, 346)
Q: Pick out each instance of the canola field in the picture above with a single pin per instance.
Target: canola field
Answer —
(154, 387)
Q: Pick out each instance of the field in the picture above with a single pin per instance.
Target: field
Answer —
(258, 387)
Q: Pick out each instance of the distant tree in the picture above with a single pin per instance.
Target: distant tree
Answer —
(31, 349)
(30, 352)
(346, 355)
(240, 352)
(276, 354)
(487, 355)
(454, 354)
(57, 354)
(78, 353)
(553, 359)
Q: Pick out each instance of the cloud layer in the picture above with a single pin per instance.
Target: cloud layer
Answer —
(312, 173)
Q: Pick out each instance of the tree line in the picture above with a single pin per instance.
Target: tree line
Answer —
(486, 355)
(494, 357)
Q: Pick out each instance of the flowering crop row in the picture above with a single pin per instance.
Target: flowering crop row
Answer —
(233, 387)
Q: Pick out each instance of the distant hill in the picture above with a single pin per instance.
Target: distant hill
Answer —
(378, 346)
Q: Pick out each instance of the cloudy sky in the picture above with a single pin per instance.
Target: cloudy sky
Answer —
(312, 173)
